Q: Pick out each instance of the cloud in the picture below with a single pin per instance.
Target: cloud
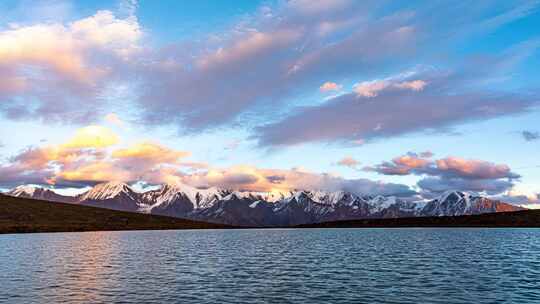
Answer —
(263, 62)
(450, 173)
(403, 165)
(488, 186)
(40, 165)
(451, 166)
(281, 180)
(426, 154)
(114, 119)
(63, 72)
(84, 164)
(92, 137)
(530, 135)
(55, 71)
(318, 7)
(378, 110)
(86, 159)
(330, 86)
(521, 195)
(473, 169)
(150, 152)
(233, 144)
(92, 155)
(414, 85)
(348, 162)
(145, 161)
(372, 88)
(129, 7)
(12, 176)
(92, 172)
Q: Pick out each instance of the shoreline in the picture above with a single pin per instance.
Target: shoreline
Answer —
(21, 216)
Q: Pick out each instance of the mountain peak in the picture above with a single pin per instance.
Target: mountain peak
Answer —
(267, 208)
(21, 190)
(107, 190)
(36, 192)
(454, 196)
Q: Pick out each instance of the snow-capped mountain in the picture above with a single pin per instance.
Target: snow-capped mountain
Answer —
(268, 209)
(453, 203)
(180, 199)
(34, 192)
(112, 195)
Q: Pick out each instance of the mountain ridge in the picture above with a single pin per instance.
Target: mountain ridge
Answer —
(244, 208)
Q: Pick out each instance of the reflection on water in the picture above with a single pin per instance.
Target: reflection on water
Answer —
(273, 266)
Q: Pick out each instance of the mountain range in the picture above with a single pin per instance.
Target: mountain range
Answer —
(266, 209)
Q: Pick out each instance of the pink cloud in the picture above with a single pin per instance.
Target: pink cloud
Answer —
(415, 85)
(54, 64)
(348, 161)
(373, 88)
(370, 88)
(330, 86)
(472, 168)
(450, 173)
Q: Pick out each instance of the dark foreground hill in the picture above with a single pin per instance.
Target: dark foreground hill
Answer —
(267, 209)
(20, 215)
(526, 218)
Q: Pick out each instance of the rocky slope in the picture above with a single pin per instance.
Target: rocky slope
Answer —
(268, 209)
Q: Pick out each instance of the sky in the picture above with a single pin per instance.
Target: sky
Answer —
(404, 98)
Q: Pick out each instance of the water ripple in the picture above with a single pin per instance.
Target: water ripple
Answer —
(273, 266)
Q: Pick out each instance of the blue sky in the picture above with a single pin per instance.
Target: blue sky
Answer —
(273, 95)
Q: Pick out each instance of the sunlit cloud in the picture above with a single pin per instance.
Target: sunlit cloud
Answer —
(372, 88)
(92, 137)
(91, 157)
(415, 85)
(152, 152)
(450, 173)
(283, 180)
(330, 86)
(63, 67)
(348, 161)
(282, 74)
(379, 109)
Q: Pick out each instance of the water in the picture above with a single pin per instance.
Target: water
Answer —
(273, 266)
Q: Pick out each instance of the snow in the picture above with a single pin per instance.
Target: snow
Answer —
(379, 202)
(106, 191)
(199, 198)
(23, 190)
(324, 197)
(254, 204)
(315, 202)
(464, 196)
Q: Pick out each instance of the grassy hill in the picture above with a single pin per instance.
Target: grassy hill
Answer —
(527, 218)
(18, 215)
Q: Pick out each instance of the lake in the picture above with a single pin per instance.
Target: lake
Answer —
(273, 266)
